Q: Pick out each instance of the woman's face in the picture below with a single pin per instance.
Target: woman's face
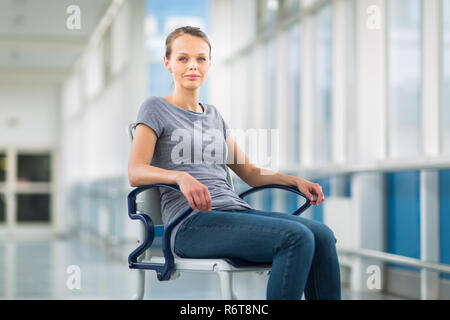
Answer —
(190, 56)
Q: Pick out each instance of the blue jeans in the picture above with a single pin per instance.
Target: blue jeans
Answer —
(302, 251)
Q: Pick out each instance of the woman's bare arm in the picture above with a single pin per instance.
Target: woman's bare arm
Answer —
(140, 172)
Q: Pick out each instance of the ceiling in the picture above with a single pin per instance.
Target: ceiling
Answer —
(34, 38)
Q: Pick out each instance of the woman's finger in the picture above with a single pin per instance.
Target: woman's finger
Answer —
(198, 201)
(191, 202)
(208, 200)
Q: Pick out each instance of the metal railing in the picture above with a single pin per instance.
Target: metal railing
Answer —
(398, 259)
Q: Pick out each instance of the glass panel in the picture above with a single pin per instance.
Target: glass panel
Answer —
(272, 9)
(404, 41)
(445, 124)
(322, 112)
(2, 208)
(33, 207)
(271, 84)
(160, 80)
(34, 168)
(2, 167)
(268, 10)
(291, 5)
(351, 82)
(249, 67)
(294, 91)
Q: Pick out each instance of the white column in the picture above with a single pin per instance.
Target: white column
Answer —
(368, 188)
(431, 66)
(138, 80)
(371, 79)
(429, 184)
(429, 232)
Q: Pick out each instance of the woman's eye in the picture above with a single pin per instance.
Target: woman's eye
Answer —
(183, 58)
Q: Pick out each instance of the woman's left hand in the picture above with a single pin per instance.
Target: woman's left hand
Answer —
(310, 190)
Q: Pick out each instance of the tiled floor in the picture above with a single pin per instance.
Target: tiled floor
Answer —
(42, 270)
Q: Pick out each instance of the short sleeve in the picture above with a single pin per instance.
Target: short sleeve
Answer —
(150, 115)
(226, 128)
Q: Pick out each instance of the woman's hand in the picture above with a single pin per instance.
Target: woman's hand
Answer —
(310, 189)
(195, 192)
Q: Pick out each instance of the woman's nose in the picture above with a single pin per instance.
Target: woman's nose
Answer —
(193, 65)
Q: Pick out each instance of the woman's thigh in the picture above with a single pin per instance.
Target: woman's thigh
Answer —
(234, 234)
(320, 230)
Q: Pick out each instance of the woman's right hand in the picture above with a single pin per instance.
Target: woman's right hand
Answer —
(195, 192)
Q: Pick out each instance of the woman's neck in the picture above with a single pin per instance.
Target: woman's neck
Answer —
(188, 101)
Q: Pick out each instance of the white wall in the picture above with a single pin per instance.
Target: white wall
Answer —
(34, 110)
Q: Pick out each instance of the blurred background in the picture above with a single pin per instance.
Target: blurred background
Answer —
(358, 89)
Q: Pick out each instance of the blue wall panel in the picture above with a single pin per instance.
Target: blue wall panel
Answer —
(403, 214)
(444, 218)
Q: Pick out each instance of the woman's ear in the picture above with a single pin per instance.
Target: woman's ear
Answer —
(167, 64)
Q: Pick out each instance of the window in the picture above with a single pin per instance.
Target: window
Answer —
(270, 83)
(445, 124)
(322, 110)
(294, 91)
(33, 168)
(107, 53)
(2, 167)
(404, 99)
(351, 83)
(33, 207)
(267, 14)
(290, 6)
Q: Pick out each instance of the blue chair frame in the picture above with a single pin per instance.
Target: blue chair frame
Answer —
(164, 271)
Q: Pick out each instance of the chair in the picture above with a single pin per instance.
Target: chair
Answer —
(147, 210)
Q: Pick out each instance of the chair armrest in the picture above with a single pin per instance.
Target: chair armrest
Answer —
(163, 271)
(279, 186)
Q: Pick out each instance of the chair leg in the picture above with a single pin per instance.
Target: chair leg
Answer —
(139, 295)
(226, 285)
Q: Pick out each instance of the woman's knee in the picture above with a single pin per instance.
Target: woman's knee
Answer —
(324, 234)
(300, 235)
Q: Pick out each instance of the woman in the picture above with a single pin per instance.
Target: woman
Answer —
(302, 251)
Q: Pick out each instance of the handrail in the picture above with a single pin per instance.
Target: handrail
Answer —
(164, 270)
(388, 165)
(395, 258)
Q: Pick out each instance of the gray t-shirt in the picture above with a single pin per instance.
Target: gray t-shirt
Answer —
(193, 142)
